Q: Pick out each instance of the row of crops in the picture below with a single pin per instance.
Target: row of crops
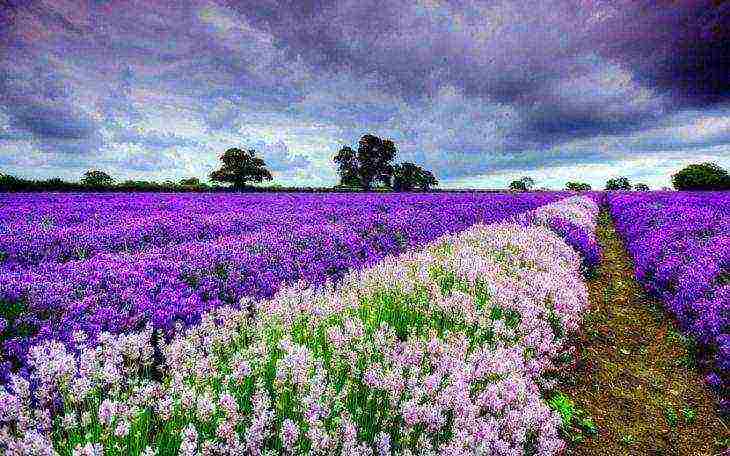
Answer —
(680, 243)
(174, 259)
(446, 349)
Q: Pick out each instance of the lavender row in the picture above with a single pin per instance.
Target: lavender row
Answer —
(72, 227)
(161, 222)
(29, 213)
(118, 293)
(20, 212)
(680, 243)
(448, 350)
(575, 223)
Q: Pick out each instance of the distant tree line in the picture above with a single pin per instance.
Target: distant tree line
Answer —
(696, 177)
(100, 181)
(10, 183)
(369, 168)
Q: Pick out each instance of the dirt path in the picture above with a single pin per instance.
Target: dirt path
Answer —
(636, 377)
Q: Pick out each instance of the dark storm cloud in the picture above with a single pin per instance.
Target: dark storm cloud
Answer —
(680, 47)
(515, 51)
(50, 122)
(464, 85)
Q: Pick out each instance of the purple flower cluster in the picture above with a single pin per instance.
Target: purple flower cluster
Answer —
(680, 243)
(115, 266)
(575, 224)
(446, 350)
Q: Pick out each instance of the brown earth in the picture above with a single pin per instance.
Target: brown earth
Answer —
(636, 375)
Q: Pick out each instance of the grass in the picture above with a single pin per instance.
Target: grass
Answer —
(628, 440)
(576, 424)
(689, 414)
(671, 415)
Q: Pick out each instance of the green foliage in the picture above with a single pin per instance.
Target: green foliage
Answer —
(689, 415)
(641, 187)
(628, 440)
(517, 185)
(618, 183)
(372, 163)
(407, 176)
(374, 157)
(16, 184)
(722, 442)
(191, 182)
(577, 186)
(576, 424)
(522, 185)
(724, 277)
(348, 167)
(241, 167)
(671, 415)
(703, 176)
(564, 406)
(97, 178)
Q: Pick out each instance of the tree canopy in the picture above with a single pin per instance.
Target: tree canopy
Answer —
(407, 176)
(372, 163)
(374, 157)
(618, 183)
(97, 178)
(348, 167)
(523, 184)
(190, 182)
(702, 176)
(640, 187)
(241, 167)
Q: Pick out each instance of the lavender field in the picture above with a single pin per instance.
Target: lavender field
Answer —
(291, 323)
(680, 242)
(113, 263)
(363, 324)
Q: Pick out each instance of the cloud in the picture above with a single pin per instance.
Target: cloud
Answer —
(278, 157)
(682, 48)
(464, 87)
(116, 104)
(54, 122)
(607, 99)
(152, 139)
(136, 158)
(223, 115)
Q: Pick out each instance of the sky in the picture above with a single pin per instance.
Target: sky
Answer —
(479, 91)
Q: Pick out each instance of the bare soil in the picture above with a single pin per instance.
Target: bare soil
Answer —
(636, 375)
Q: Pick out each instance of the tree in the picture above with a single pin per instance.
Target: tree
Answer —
(407, 176)
(522, 184)
(348, 167)
(578, 186)
(703, 176)
(97, 178)
(641, 187)
(618, 183)
(427, 180)
(190, 182)
(241, 167)
(373, 160)
(517, 185)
